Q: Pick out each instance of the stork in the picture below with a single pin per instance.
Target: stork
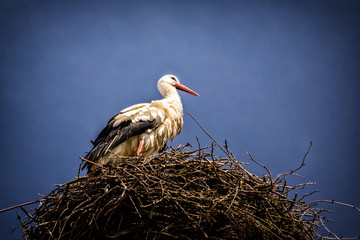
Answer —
(142, 129)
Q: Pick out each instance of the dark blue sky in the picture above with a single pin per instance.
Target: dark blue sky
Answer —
(272, 75)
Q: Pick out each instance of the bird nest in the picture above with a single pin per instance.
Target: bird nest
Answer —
(177, 194)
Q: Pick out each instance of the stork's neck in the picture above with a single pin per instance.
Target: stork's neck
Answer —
(171, 93)
(172, 97)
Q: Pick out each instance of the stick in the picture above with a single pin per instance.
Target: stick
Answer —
(21, 205)
(209, 135)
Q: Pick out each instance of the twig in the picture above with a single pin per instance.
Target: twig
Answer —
(86, 160)
(202, 128)
(335, 202)
(21, 205)
(302, 162)
(261, 165)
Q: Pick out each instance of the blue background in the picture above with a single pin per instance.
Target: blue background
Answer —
(272, 75)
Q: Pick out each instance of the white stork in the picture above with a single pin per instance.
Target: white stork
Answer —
(142, 129)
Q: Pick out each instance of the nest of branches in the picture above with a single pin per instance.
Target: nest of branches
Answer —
(178, 194)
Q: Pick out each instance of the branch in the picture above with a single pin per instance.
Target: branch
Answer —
(21, 205)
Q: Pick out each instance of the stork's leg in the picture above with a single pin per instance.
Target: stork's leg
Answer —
(138, 152)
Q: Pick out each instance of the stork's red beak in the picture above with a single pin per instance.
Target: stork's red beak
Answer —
(185, 89)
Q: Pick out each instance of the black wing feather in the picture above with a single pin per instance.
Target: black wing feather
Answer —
(110, 137)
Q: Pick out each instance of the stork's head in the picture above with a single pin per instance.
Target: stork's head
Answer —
(169, 83)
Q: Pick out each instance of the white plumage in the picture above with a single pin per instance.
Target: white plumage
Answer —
(142, 129)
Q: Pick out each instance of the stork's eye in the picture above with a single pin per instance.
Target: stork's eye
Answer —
(173, 78)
